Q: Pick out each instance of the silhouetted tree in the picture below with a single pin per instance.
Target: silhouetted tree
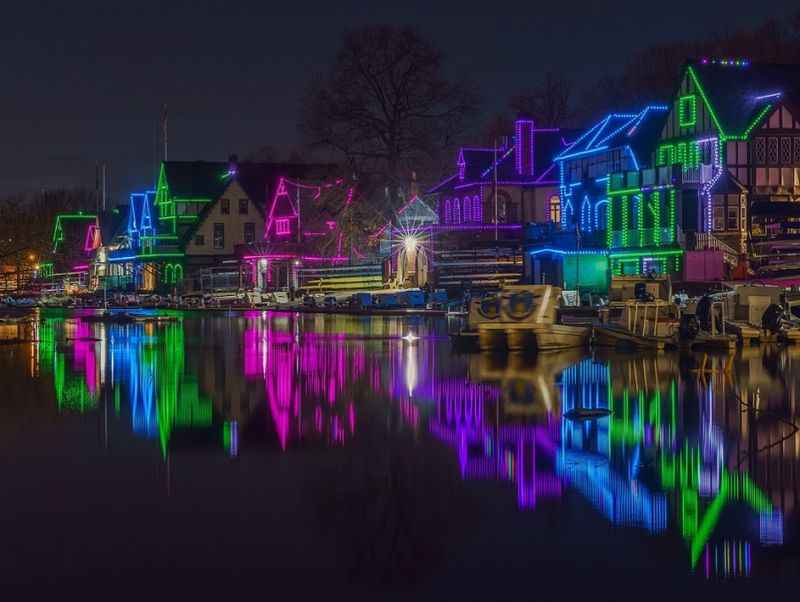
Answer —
(652, 73)
(549, 104)
(387, 107)
(27, 220)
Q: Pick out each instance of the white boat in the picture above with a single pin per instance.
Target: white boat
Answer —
(528, 321)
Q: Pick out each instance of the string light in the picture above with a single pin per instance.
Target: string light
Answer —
(687, 110)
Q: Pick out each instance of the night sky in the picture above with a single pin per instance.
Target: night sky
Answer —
(84, 81)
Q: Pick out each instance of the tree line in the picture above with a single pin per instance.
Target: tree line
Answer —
(387, 109)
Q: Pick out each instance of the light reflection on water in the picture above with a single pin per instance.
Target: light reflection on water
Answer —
(701, 447)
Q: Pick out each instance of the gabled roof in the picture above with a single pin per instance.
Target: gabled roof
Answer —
(639, 131)
(113, 222)
(209, 179)
(477, 164)
(196, 179)
(740, 95)
(728, 184)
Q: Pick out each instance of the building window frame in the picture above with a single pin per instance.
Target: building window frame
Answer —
(249, 232)
(219, 235)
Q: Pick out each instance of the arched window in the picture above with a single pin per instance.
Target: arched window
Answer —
(169, 274)
(477, 209)
(448, 211)
(178, 273)
(456, 211)
(467, 209)
(555, 209)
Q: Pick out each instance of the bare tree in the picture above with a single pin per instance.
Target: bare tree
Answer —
(386, 107)
(496, 128)
(27, 220)
(549, 104)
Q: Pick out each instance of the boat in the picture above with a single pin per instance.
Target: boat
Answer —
(480, 311)
(761, 313)
(528, 320)
(703, 326)
(640, 314)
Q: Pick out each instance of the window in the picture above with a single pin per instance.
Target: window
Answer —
(219, 236)
(200, 240)
(719, 218)
(733, 217)
(477, 209)
(456, 211)
(687, 110)
(467, 209)
(760, 151)
(249, 232)
(786, 150)
(555, 209)
(225, 206)
(243, 206)
(772, 151)
(281, 227)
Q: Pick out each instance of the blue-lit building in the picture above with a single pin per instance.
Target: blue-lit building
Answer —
(575, 249)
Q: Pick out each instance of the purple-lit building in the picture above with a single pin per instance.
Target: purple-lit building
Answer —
(485, 203)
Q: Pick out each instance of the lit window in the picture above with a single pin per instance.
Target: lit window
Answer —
(687, 110)
(282, 226)
(477, 209)
(555, 209)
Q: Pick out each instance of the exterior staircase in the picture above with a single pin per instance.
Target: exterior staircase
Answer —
(705, 241)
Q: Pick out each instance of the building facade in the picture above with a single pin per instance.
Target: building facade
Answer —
(484, 205)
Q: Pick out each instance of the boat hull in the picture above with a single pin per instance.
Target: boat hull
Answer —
(611, 336)
(561, 336)
(713, 341)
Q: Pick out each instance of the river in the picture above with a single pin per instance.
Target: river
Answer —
(255, 447)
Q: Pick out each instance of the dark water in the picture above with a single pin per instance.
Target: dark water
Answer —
(329, 453)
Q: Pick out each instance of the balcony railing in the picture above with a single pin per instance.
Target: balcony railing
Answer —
(642, 237)
(698, 175)
(656, 176)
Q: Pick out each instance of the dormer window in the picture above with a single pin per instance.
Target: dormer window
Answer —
(281, 227)
(687, 110)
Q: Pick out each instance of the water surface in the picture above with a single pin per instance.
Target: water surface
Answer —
(230, 448)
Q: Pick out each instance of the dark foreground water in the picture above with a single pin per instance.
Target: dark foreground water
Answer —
(323, 454)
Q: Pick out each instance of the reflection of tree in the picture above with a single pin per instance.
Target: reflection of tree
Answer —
(394, 512)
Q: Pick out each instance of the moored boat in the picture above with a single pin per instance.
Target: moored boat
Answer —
(528, 321)
(640, 315)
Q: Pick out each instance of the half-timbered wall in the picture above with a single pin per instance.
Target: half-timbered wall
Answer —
(774, 153)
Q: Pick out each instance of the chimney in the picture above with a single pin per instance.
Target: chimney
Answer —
(524, 146)
(414, 189)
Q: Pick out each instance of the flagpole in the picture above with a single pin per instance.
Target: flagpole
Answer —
(164, 130)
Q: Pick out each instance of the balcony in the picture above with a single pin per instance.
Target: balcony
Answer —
(642, 237)
(655, 176)
(698, 175)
